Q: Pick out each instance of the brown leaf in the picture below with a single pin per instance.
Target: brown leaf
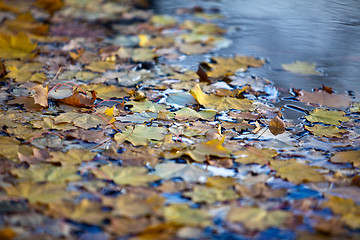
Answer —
(2, 69)
(80, 100)
(277, 126)
(323, 98)
(28, 102)
(41, 95)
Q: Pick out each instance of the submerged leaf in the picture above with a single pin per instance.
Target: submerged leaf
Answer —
(301, 67)
(324, 98)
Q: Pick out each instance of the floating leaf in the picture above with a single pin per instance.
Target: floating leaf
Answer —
(326, 131)
(188, 172)
(47, 173)
(220, 103)
(347, 157)
(295, 172)
(209, 195)
(133, 176)
(141, 135)
(327, 117)
(257, 218)
(255, 155)
(301, 67)
(18, 46)
(184, 215)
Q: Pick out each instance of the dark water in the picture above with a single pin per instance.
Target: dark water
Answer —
(325, 32)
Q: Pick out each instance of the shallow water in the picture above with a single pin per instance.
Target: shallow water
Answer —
(325, 32)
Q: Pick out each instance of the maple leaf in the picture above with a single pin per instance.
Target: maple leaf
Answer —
(326, 131)
(71, 157)
(324, 98)
(140, 135)
(18, 46)
(184, 215)
(255, 218)
(202, 194)
(327, 117)
(25, 74)
(9, 147)
(347, 156)
(295, 172)
(255, 155)
(133, 176)
(188, 172)
(220, 103)
(301, 67)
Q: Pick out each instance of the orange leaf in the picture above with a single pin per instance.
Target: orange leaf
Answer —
(277, 126)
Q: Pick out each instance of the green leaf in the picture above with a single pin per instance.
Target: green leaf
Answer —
(209, 195)
(141, 135)
(327, 117)
(133, 176)
(257, 218)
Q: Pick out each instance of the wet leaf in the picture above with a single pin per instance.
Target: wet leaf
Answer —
(326, 131)
(85, 211)
(83, 120)
(72, 157)
(39, 193)
(191, 114)
(220, 103)
(327, 117)
(277, 126)
(257, 218)
(323, 98)
(188, 172)
(18, 46)
(9, 148)
(141, 106)
(47, 173)
(255, 155)
(41, 95)
(23, 75)
(301, 67)
(140, 135)
(296, 172)
(347, 157)
(133, 176)
(101, 66)
(209, 195)
(78, 99)
(184, 215)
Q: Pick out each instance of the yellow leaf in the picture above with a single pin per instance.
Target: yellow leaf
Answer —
(110, 111)
(347, 156)
(18, 46)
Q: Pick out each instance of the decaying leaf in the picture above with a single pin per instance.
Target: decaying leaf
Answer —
(326, 131)
(140, 135)
(78, 99)
(41, 95)
(202, 194)
(326, 99)
(255, 155)
(72, 157)
(277, 126)
(184, 215)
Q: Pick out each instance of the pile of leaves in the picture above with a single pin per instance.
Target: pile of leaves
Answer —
(103, 136)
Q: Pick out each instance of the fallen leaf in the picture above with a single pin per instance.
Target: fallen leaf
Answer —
(295, 172)
(78, 99)
(326, 131)
(188, 172)
(220, 103)
(190, 114)
(85, 211)
(148, 106)
(140, 135)
(18, 46)
(301, 67)
(40, 95)
(9, 148)
(255, 155)
(347, 157)
(254, 218)
(23, 75)
(47, 173)
(101, 66)
(277, 126)
(184, 215)
(51, 6)
(71, 157)
(39, 193)
(209, 195)
(327, 116)
(133, 176)
(28, 102)
(323, 98)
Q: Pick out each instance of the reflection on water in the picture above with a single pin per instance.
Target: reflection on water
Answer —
(326, 32)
